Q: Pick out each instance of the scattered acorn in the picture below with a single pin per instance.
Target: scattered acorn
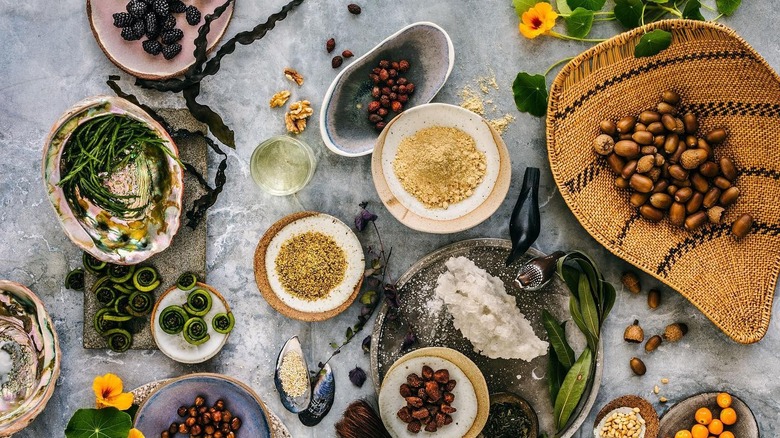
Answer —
(634, 333)
(631, 282)
(675, 332)
(653, 298)
(637, 366)
(652, 343)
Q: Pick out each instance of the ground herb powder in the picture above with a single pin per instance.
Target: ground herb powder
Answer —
(439, 166)
(310, 265)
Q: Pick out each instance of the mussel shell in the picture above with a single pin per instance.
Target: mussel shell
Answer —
(323, 394)
(292, 404)
(107, 238)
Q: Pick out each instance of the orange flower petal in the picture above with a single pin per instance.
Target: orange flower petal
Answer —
(107, 386)
(135, 433)
(122, 401)
(529, 32)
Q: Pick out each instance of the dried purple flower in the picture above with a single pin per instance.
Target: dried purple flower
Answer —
(364, 217)
(391, 295)
(409, 340)
(357, 377)
(366, 344)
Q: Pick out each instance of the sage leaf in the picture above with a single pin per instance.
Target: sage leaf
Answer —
(572, 389)
(590, 314)
(98, 423)
(727, 7)
(653, 43)
(523, 5)
(557, 335)
(530, 94)
(563, 7)
(693, 10)
(591, 5)
(629, 12)
(555, 375)
(579, 23)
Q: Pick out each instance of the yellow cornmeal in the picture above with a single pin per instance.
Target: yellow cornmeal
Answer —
(310, 265)
(294, 375)
(439, 166)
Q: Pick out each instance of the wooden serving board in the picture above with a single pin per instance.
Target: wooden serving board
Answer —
(188, 249)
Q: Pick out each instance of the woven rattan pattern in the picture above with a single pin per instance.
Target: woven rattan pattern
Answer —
(726, 84)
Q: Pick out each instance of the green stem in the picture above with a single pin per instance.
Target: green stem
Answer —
(557, 63)
(567, 37)
(670, 10)
(709, 8)
(642, 20)
(606, 13)
(717, 18)
(612, 18)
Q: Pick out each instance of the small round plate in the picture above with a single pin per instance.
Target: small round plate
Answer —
(159, 409)
(175, 346)
(268, 280)
(626, 404)
(470, 417)
(510, 397)
(681, 416)
(130, 56)
(460, 216)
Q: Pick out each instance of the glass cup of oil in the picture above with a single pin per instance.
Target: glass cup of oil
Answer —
(282, 165)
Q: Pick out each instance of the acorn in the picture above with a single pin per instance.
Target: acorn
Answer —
(631, 282)
(654, 298)
(634, 333)
(637, 366)
(675, 332)
(652, 343)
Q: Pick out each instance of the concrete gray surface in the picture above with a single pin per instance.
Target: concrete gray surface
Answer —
(51, 61)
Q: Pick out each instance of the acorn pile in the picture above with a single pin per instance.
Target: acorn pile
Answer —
(155, 20)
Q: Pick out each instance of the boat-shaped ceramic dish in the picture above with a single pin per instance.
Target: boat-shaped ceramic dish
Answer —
(29, 354)
(344, 121)
(682, 416)
(125, 241)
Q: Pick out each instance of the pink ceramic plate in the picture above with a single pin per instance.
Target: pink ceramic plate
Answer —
(130, 56)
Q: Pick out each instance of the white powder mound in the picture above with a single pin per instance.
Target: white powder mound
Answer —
(485, 314)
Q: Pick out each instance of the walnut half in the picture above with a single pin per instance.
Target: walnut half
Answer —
(295, 118)
(293, 75)
(279, 99)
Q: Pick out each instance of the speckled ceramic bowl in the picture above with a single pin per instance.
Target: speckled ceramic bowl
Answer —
(159, 410)
(110, 239)
(29, 357)
(344, 121)
(681, 416)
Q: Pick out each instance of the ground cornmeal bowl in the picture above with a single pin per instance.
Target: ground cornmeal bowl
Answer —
(726, 84)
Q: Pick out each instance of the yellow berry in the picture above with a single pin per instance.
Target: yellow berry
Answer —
(703, 416)
(727, 434)
(728, 416)
(699, 431)
(724, 400)
(683, 434)
(716, 427)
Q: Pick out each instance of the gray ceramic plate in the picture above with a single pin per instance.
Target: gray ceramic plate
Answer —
(344, 121)
(681, 416)
(435, 329)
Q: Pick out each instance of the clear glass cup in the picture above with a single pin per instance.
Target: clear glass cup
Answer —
(282, 165)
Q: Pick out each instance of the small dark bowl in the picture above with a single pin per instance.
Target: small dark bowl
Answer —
(510, 397)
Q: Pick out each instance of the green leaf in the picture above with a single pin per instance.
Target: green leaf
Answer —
(576, 316)
(523, 5)
(579, 23)
(555, 375)
(588, 309)
(570, 276)
(653, 43)
(350, 332)
(563, 7)
(368, 297)
(659, 2)
(530, 94)
(572, 389)
(727, 7)
(557, 335)
(591, 5)
(629, 12)
(99, 423)
(608, 302)
(334, 345)
(693, 10)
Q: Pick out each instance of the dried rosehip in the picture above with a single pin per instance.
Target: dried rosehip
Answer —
(347, 54)
(373, 106)
(336, 61)
(354, 9)
(330, 45)
(403, 65)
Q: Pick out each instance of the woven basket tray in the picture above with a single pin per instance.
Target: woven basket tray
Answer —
(726, 84)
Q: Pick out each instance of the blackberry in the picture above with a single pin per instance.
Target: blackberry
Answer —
(123, 19)
(177, 6)
(171, 36)
(129, 35)
(152, 47)
(137, 8)
(167, 23)
(161, 7)
(139, 29)
(193, 15)
(170, 51)
(152, 27)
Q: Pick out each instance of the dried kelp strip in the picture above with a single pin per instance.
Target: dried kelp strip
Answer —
(202, 204)
(208, 116)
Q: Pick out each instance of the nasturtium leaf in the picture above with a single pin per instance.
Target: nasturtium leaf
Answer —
(653, 43)
(629, 12)
(693, 10)
(99, 423)
(563, 7)
(572, 388)
(368, 297)
(530, 94)
(727, 7)
(523, 5)
(591, 5)
(580, 21)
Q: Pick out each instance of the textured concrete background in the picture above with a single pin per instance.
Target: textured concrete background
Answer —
(51, 61)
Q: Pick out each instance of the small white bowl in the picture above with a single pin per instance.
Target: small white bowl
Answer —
(175, 346)
(488, 195)
(344, 124)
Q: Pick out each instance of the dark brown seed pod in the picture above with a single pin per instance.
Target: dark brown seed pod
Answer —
(670, 145)
(683, 195)
(637, 366)
(330, 45)
(626, 124)
(653, 298)
(727, 169)
(638, 199)
(354, 9)
(717, 136)
(651, 213)
(656, 128)
(653, 343)
(665, 108)
(616, 163)
(661, 201)
(336, 61)
(677, 214)
(699, 183)
(629, 169)
(608, 127)
(691, 123)
(721, 183)
(649, 117)
(641, 183)
(694, 204)
(695, 220)
(709, 169)
(711, 197)
(742, 226)
(729, 196)
(670, 97)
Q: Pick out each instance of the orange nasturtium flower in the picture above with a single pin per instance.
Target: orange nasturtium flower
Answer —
(538, 20)
(135, 433)
(108, 393)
